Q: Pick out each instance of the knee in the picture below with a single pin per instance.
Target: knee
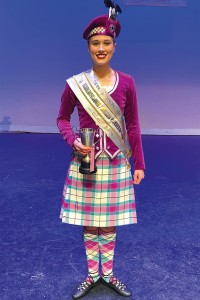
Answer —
(108, 229)
(90, 228)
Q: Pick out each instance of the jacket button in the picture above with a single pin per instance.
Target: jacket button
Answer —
(108, 147)
(97, 148)
(97, 135)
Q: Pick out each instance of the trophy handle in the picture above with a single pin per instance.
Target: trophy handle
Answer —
(77, 130)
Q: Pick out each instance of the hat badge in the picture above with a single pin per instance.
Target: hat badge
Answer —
(112, 28)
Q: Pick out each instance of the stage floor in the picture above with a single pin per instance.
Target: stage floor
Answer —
(41, 258)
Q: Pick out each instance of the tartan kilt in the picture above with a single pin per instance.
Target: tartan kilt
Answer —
(103, 199)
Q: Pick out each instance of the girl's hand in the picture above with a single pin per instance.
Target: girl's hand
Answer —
(138, 176)
(80, 148)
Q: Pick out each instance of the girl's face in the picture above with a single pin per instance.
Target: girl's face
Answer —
(101, 49)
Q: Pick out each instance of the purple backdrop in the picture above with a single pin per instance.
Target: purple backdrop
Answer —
(42, 45)
(156, 2)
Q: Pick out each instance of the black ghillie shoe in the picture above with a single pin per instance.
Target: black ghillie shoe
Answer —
(84, 288)
(117, 286)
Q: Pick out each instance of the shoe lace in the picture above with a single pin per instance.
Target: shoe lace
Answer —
(85, 284)
(118, 283)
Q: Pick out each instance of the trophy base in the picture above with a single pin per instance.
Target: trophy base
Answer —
(85, 168)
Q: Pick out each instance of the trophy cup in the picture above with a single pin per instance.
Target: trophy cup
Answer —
(87, 162)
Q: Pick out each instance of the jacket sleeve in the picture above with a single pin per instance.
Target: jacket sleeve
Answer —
(133, 126)
(68, 103)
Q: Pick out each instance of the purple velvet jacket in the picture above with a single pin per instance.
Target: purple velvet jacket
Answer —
(125, 96)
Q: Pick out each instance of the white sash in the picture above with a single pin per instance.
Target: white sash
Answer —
(102, 108)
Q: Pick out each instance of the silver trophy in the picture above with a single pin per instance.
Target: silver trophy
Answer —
(87, 162)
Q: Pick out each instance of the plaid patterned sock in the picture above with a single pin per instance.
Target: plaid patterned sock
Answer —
(107, 246)
(91, 241)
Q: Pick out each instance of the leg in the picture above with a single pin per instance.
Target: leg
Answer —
(91, 240)
(107, 240)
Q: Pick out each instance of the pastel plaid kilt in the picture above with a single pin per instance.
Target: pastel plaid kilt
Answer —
(103, 199)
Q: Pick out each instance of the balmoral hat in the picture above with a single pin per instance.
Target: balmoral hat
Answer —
(105, 24)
